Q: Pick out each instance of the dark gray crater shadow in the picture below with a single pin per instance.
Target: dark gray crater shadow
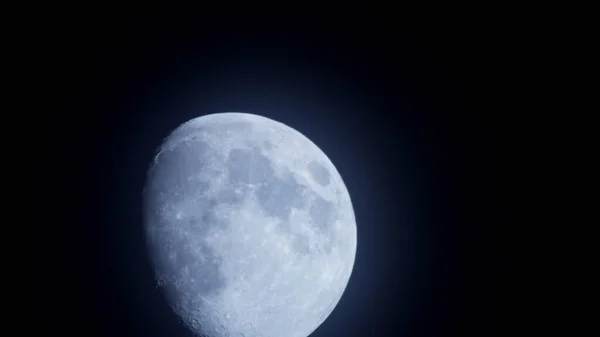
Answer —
(319, 173)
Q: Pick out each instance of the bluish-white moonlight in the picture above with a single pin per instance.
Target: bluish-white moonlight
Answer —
(249, 226)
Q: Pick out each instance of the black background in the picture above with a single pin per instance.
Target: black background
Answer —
(411, 115)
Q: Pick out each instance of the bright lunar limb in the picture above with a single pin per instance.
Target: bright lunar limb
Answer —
(249, 226)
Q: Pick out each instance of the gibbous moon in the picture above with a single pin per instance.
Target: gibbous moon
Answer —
(249, 226)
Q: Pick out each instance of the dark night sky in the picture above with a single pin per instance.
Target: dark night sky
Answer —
(409, 115)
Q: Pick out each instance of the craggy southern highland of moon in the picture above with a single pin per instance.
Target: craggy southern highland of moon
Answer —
(250, 227)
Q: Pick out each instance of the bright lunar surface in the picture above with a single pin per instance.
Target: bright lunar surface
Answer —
(250, 227)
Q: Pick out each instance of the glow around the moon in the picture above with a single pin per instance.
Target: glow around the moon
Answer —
(250, 227)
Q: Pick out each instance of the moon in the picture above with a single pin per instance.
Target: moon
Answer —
(249, 226)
